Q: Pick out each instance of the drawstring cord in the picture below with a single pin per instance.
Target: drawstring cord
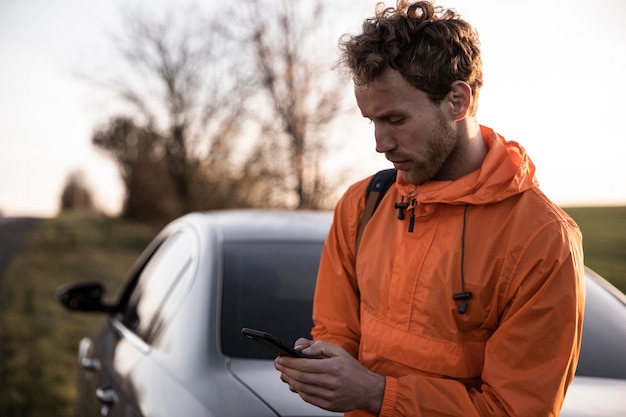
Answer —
(463, 295)
(401, 206)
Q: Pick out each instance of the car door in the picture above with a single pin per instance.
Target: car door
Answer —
(97, 393)
(108, 385)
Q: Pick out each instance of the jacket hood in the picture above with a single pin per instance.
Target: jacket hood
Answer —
(506, 171)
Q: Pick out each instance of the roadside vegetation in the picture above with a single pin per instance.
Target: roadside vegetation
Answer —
(39, 339)
(604, 241)
(210, 129)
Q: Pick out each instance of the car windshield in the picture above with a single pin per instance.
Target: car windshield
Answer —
(267, 286)
(604, 334)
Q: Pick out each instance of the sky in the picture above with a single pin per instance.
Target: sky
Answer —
(554, 81)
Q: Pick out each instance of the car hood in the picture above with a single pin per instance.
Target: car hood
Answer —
(593, 397)
(586, 396)
(260, 377)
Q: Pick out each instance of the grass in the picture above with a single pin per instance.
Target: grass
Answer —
(604, 240)
(39, 339)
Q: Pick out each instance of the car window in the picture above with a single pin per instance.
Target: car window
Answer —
(161, 285)
(267, 286)
(603, 351)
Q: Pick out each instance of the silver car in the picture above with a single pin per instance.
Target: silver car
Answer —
(172, 343)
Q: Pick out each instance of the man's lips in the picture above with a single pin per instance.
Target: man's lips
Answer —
(400, 164)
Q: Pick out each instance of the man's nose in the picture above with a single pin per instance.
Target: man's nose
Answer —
(384, 141)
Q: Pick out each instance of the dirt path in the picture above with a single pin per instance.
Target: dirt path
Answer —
(13, 232)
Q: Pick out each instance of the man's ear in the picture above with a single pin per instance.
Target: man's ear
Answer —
(459, 99)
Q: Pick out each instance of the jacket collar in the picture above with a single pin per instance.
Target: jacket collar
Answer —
(506, 171)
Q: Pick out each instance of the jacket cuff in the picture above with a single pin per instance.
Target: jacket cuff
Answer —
(389, 397)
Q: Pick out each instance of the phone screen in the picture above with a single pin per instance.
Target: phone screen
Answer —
(271, 342)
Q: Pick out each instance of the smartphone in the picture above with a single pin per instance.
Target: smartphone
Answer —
(271, 342)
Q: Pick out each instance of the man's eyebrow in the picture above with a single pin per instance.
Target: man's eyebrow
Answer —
(384, 115)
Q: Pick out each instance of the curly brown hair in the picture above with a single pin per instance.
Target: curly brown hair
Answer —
(429, 46)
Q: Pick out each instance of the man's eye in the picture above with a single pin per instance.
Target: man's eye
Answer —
(396, 120)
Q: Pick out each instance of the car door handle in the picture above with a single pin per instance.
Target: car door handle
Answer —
(108, 398)
(107, 395)
(90, 364)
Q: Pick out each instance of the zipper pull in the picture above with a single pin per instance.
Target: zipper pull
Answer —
(412, 217)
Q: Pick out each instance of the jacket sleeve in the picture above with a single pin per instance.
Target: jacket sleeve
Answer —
(531, 358)
(336, 301)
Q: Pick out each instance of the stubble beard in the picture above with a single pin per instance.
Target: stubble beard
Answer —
(443, 144)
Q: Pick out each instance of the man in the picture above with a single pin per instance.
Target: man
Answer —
(467, 295)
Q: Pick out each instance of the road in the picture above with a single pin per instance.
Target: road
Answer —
(13, 232)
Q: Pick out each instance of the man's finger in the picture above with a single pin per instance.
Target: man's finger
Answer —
(321, 349)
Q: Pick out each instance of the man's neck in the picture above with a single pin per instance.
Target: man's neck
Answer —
(468, 156)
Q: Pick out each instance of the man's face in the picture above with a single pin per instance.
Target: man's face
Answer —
(411, 130)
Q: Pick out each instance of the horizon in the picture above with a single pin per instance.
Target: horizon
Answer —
(551, 78)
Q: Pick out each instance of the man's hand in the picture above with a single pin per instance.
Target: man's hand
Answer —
(334, 380)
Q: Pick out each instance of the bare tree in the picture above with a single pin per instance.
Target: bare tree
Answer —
(138, 153)
(76, 196)
(301, 94)
(235, 114)
(180, 85)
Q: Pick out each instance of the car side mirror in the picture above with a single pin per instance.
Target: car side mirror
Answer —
(87, 297)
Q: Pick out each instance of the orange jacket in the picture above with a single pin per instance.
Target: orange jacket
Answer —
(514, 352)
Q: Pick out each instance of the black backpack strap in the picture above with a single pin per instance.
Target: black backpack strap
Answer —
(378, 186)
